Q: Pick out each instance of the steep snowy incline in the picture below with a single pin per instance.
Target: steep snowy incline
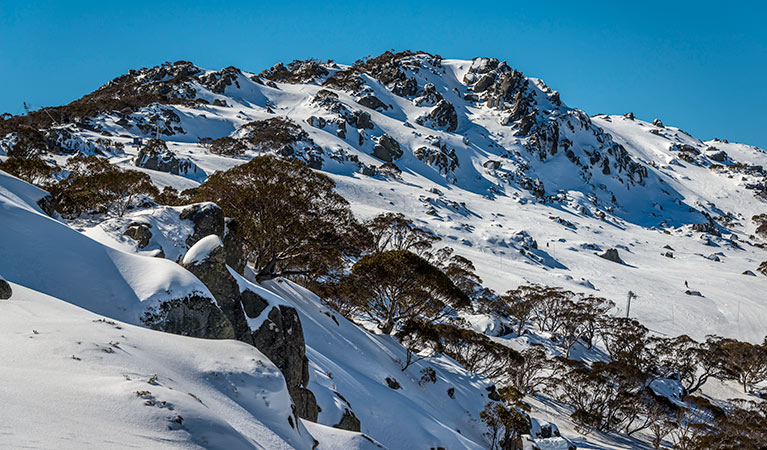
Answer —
(74, 379)
(350, 368)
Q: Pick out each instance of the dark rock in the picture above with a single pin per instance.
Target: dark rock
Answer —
(48, 205)
(611, 254)
(405, 88)
(215, 276)
(658, 123)
(360, 119)
(370, 171)
(348, 421)
(441, 116)
(749, 273)
(372, 102)
(219, 102)
(492, 393)
(316, 122)
(485, 82)
(156, 156)
(208, 218)
(5, 289)
(281, 339)
(194, 315)
(492, 165)
(693, 293)
(720, 156)
(392, 383)
(706, 227)
(451, 392)
(140, 233)
(387, 149)
(629, 115)
(234, 246)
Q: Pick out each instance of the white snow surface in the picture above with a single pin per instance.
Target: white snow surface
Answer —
(48, 256)
(73, 379)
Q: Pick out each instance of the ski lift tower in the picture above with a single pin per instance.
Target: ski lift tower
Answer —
(629, 296)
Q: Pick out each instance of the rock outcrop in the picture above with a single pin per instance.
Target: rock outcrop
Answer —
(279, 335)
(611, 254)
(156, 156)
(5, 289)
(387, 149)
(140, 233)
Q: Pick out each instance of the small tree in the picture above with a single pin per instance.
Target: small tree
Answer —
(94, 183)
(521, 303)
(395, 232)
(529, 374)
(690, 362)
(743, 362)
(505, 425)
(394, 286)
(292, 220)
(625, 339)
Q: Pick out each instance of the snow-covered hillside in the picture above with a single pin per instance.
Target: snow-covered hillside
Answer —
(494, 163)
(514, 169)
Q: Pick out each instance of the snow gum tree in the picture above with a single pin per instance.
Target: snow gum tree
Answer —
(393, 286)
(292, 220)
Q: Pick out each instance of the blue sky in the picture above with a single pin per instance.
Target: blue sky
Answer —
(701, 66)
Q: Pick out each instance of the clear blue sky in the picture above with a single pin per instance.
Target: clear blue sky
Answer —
(701, 66)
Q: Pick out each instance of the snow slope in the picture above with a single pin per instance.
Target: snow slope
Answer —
(348, 370)
(48, 256)
(93, 382)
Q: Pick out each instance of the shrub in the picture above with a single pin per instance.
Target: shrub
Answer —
(32, 170)
(227, 146)
(95, 184)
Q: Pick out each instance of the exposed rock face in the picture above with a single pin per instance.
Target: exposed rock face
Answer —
(280, 336)
(194, 315)
(348, 421)
(387, 149)
(658, 123)
(611, 254)
(5, 289)
(281, 339)
(213, 273)
(208, 218)
(372, 102)
(442, 116)
(140, 233)
(234, 251)
(48, 205)
(156, 156)
(720, 156)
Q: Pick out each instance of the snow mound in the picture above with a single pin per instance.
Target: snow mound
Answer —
(48, 256)
(201, 250)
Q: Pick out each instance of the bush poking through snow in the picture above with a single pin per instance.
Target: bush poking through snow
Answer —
(94, 184)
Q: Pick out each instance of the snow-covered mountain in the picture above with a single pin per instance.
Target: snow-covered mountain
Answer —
(529, 189)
